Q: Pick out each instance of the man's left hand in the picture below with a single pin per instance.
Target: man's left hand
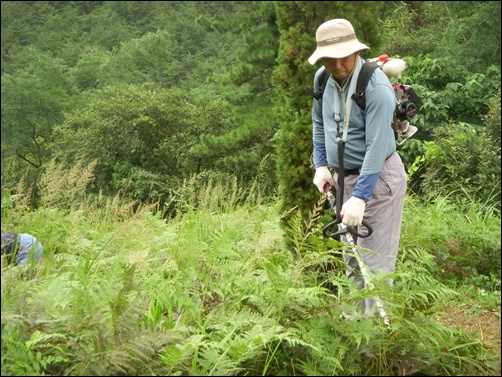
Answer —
(352, 211)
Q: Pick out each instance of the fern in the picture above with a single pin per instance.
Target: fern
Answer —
(124, 291)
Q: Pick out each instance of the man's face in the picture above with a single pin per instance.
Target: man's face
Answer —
(340, 68)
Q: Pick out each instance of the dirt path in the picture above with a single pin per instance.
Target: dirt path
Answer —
(485, 324)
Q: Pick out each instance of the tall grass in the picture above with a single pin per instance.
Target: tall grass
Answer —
(213, 290)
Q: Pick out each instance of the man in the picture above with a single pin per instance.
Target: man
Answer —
(21, 248)
(375, 179)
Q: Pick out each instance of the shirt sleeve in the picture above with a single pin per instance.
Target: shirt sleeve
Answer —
(378, 117)
(319, 146)
(365, 186)
(320, 155)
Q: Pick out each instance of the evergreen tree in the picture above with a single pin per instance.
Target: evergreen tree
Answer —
(298, 22)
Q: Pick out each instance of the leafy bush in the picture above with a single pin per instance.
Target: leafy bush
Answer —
(464, 238)
(463, 160)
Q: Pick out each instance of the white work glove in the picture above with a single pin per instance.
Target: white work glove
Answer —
(352, 211)
(323, 177)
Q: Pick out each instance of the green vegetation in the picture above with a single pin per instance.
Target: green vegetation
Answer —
(214, 290)
(160, 151)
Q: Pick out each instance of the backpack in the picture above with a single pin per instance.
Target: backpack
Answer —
(362, 81)
(405, 96)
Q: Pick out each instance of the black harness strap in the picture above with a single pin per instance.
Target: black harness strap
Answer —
(367, 70)
(341, 180)
(323, 79)
(362, 81)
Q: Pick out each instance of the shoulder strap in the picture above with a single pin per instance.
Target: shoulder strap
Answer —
(323, 79)
(362, 81)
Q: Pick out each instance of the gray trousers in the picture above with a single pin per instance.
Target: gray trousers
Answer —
(384, 213)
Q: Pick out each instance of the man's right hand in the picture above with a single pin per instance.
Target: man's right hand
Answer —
(323, 178)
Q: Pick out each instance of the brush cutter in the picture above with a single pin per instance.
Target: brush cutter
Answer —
(345, 233)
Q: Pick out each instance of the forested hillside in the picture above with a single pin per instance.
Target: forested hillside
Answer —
(161, 152)
(159, 91)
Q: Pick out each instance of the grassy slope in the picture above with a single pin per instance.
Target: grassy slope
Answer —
(217, 279)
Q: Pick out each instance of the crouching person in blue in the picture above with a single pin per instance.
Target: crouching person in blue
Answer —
(21, 248)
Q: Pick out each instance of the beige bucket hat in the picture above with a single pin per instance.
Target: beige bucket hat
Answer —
(336, 39)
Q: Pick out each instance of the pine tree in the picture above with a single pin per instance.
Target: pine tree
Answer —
(298, 22)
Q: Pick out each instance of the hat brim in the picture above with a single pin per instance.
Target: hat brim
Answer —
(337, 51)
